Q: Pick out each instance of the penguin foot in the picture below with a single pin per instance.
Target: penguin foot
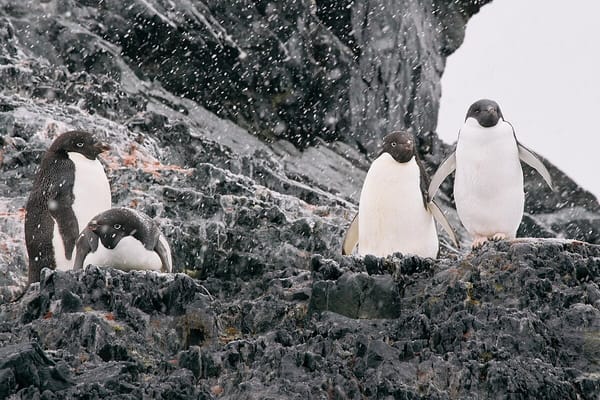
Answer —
(499, 236)
(478, 242)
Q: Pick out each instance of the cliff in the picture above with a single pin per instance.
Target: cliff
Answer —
(245, 130)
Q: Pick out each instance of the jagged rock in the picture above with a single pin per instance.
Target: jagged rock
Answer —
(353, 294)
(27, 365)
(357, 295)
(264, 306)
(513, 319)
(337, 70)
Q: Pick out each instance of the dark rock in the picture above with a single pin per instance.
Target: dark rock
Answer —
(71, 302)
(588, 385)
(356, 70)
(192, 360)
(264, 306)
(8, 383)
(357, 295)
(530, 227)
(27, 365)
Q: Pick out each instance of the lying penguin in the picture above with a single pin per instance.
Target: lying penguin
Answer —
(488, 185)
(395, 213)
(125, 239)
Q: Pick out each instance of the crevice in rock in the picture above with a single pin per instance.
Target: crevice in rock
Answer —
(337, 16)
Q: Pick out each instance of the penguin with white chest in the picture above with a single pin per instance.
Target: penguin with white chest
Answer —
(68, 190)
(125, 239)
(488, 185)
(395, 214)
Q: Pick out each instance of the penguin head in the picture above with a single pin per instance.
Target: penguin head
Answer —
(78, 142)
(400, 145)
(113, 225)
(486, 112)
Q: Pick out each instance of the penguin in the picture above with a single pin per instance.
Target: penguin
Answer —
(488, 185)
(69, 189)
(394, 213)
(125, 239)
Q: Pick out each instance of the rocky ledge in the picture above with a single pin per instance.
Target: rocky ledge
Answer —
(512, 320)
(263, 305)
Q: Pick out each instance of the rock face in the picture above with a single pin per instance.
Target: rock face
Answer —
(512, 320)
(263, 306)
(298, 70)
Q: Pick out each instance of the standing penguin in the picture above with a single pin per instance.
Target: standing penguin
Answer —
(488, 186)
(126, 239)
(69, 189)
(394, 213)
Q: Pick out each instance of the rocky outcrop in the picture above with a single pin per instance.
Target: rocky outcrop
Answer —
(297, 70)
(512, 320)
(263, 306)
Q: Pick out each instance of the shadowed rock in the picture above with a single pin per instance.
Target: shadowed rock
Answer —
(26, 365)
(267, 308)
(517, 318)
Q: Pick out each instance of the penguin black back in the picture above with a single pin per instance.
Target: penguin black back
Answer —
(51, 198)
(105, 231)
(117, 223)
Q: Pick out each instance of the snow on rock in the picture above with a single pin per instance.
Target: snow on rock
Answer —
(209, 107)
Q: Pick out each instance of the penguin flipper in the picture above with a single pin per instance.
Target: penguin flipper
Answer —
(445, 169)
(39, 245)
(529, 158)
(86, 243)
(351, 237)
(164, 253)
(68, 227)
(439, 216)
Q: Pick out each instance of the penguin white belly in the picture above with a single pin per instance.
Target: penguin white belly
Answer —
(129, 254)
(488, 186)
(62, 264)
(91, 192)
(392, 217)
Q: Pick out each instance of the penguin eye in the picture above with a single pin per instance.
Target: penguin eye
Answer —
(80, 144)
(393, 144)
(117, 226)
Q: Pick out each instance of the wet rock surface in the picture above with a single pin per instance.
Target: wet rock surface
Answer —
(262, 305)
(298, 70)
(514, 319)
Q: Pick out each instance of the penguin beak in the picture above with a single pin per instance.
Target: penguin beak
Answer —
(101, 147)
(93, 225)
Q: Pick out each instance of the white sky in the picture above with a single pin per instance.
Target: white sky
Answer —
(540, 60)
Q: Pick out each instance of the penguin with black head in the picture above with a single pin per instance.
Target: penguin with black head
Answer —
(69, 189)
(488, 184)
(125, 239)
(395, 213)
